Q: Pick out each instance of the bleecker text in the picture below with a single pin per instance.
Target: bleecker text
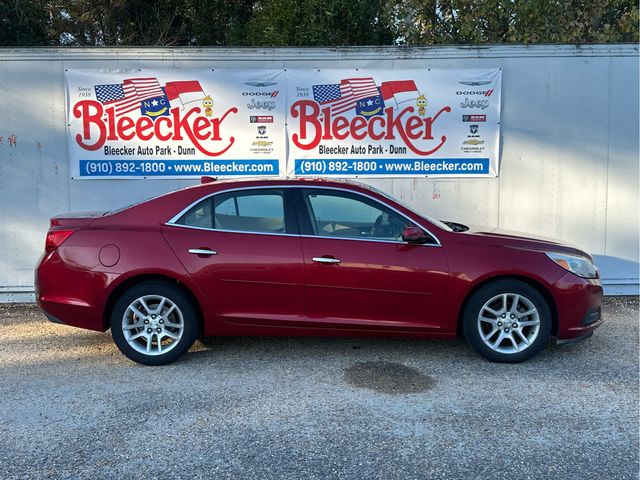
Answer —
(316, 125)
(197, 129)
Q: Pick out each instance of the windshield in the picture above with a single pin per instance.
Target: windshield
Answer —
(436, 222)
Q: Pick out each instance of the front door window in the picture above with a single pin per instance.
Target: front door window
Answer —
(347, 215)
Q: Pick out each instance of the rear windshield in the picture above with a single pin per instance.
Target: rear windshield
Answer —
(131, 205)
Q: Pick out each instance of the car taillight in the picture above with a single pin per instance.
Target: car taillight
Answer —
(55, 238)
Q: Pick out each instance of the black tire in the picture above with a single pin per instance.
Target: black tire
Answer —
(487, 292)
(184, 306)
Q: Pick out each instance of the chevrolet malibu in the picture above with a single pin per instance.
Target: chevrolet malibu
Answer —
(308, 257)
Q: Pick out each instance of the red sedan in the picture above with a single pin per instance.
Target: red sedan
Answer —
(308, 257)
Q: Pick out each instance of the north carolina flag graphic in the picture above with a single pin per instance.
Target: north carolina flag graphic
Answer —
(155, 107)
(187, 91)
(400, 90)
(368, 107)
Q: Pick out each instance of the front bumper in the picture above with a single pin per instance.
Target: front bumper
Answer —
(579, 307)
(575, 339)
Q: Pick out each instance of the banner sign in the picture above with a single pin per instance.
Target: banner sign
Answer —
(178, 123)
(394, 123)
(235, 123)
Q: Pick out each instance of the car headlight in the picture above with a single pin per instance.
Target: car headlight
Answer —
(580, 266)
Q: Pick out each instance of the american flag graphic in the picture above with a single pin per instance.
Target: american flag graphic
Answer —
(326, 93)
(344, 96)
(126, 97)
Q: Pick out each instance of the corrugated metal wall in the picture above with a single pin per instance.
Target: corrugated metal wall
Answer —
(569, 166)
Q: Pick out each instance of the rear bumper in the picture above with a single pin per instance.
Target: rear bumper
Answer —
(69, 296)
(579, 305)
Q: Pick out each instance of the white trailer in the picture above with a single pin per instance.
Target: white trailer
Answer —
(569, 144)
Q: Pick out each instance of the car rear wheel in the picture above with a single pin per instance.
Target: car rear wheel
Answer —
(507, 321)
(154, 323)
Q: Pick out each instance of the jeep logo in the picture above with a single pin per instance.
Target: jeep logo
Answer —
(481, 104)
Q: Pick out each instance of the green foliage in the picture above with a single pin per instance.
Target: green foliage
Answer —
(315, 22)
(218, 22)
(518, 21)
(321, 22)
(119, 22)
(24, 23)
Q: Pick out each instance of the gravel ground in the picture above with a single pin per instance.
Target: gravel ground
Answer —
(71, 406)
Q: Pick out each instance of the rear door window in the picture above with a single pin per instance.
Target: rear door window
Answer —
(199, 216)
(259, 211)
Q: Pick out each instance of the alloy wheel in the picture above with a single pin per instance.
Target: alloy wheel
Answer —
(508, 323)
(152, 325)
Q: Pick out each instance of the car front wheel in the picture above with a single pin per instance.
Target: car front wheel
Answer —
(154, 323)
(507, 321)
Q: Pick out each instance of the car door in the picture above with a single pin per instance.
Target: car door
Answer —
(358, 271)
(244, 252)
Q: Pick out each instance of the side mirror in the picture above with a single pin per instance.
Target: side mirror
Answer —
(414, 235)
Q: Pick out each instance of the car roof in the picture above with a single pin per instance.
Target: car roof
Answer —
(156, 207)
(212, 184)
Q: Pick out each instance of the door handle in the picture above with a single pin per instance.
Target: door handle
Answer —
(325, 260)
(202, 251)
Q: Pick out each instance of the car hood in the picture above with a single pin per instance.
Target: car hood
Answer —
(529, 241)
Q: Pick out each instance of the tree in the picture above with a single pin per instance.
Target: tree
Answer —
(315, 22)
(24, 23)
(320, 22)
(149, 22)
(517, 21)
(120, 22)
(218, 22)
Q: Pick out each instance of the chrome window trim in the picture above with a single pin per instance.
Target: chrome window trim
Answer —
(175, 218)
(352, 239)
(301, 236)
(230, 231)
